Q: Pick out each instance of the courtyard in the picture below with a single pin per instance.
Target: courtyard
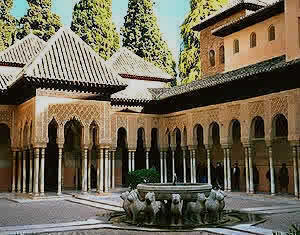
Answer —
(88, 214)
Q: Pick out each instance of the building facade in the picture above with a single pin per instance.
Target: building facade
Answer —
(70, 120)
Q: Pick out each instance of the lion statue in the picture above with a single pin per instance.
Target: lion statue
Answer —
(176, 209)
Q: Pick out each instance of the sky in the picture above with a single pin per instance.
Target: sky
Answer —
(170, 14)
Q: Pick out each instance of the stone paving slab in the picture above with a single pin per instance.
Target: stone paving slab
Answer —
(96, 205)
(270, 208)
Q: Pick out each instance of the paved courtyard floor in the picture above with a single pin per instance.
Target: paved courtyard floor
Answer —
(88, 213)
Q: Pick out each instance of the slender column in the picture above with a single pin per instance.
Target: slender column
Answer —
(89, 169)
(129, 161)
(24, 172)
(247, 170)
(147, 159)
(229, 169)
(194, 165)
(251, 169)
(109, 169)
(42, 170)
(113, 169)
(173, 164)
(84, 166)
(161, 166)
(225, 169)
(191, 166)
(271, 170)
(294, 150)
(106, 188)
(13, 186)
(298, 156)
(132, 160)
(30, 170)
(59, 171)
(208, 167)
(100, 171)
(165, 166)
(19, 172)
(184, 165)
(36, 171)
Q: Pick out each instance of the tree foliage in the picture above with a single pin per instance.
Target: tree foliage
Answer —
(7, 24)
(189, 61)
(141, 34)
(39, 20)
(92, 21)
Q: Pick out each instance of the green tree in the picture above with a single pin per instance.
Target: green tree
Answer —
(189, 61)
(39, 20)
(142, 36)
(7, 24)
(92, 21)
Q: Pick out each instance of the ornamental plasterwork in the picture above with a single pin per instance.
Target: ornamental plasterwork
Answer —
(212, 115)
(256, 109)
(63, 94)
(199, 118)
(6, 116)
(122, 122)
(155, 122)
(172, 122)
(279, 105)
(233, 112)
(140, 122)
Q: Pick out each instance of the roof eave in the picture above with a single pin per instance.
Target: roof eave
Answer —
(137, 77)
(227, 13)
(250, 20)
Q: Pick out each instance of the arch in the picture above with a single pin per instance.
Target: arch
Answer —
(271, 33)
(234, 132)
(154, 151)
(198, 135)
(5, 144)
(25, 136)
(236, 46)
(122, 165)
(214, 133)
(252, 40)
(222, 55)
(279, 126)
(212, 58)
(94, 134)
(257, 128)
(184, 137)
(177, 137)
(140, 154)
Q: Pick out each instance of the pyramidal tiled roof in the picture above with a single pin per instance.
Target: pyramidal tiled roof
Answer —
(67, 59)
(4, 80)
(22, 51)
(129, 65)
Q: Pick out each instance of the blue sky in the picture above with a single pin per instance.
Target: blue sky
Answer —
(170, 15)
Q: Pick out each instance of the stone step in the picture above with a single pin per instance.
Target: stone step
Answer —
(104, 202)
(95, 204)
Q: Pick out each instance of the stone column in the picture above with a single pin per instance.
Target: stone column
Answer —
(100, 169)
(165, 166)
(271, 170)
(24, 172)
(13, 185)
(109, 169)
(194, 165)
(294, 151)
(36, 171)
(298, 156)
(161, 167)
(173, 164)
(208, 167)
(129, 161)
(60, 150)
(30, 170)
(184, 164)
(106, 188)
(250, 169)
(42, 175)
(89, 169)
(191, 166)
(247, 169)
(84, 166)
(225, 169)
(132, 160)
(147, 159)
(113, 169)
(229, 169)
(19, 172)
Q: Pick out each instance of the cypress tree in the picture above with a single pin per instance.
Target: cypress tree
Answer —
(189, 61)
(142, 36)
(92, 21)
(39, 20)
(7, 24)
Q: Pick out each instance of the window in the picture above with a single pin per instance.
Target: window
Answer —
(236, 46)
(271, 33)
(222, 55)
(253, 40)
(212, 57)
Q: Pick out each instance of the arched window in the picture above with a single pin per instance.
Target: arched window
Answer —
(236, 46)
(222, 55)
(253, 40)
(212, 58)
(271, 33)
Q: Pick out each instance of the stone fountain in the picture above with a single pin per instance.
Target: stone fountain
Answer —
(174, 204)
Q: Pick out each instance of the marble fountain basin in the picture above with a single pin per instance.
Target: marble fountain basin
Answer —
(164, 191)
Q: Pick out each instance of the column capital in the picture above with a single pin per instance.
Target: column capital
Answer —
(191, 147)
(226, 146)
(294, 143)
(268, 143)
(208, 146)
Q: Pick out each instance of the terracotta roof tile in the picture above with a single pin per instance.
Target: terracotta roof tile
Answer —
(22, 51)
(125, 62)
(4, 81)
